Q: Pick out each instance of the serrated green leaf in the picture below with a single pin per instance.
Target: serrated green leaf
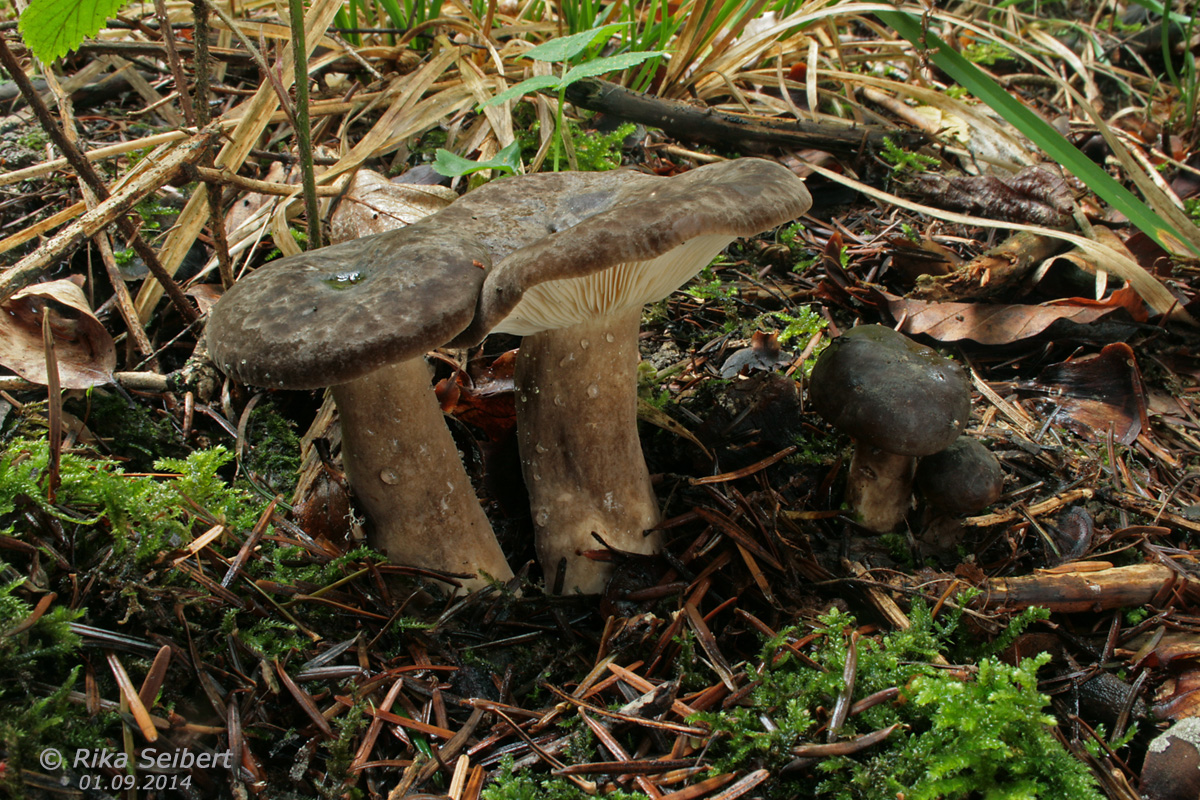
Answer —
(568, 46)
(600, 66)
(53, 28)
(453, 165)
(527, 86)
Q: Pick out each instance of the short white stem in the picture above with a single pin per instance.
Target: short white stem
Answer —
(408, 477)
(580, 452)
(879, 487)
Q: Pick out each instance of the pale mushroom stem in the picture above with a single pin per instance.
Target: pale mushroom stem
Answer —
(580, 453)
(879, 487)
(408, 477)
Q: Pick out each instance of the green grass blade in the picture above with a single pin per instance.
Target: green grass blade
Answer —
(394, 13)
(1038, 131)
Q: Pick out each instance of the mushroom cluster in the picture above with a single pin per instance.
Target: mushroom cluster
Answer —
(612, 242)
(565, 260)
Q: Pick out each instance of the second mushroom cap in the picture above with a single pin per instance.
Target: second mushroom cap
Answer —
(879, 386)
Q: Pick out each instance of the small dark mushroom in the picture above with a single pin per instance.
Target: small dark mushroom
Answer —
(965, 478)
(897, 399)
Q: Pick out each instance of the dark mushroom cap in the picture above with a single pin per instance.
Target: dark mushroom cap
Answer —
(329, 316)
(965, 478)
(559, 231)
(885, 390)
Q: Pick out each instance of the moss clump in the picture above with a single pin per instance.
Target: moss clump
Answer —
(599, 152)
(986, 735)
(139, 517)
(273, 459)
(527, 786)
(28, 654)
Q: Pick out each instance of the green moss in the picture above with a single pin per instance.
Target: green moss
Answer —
(509, 785)
(268, 638)
(905, 161)
(273, 459)
(599, 152)
(140, 517)
(36, 139)
(30, 719)
(983, 736)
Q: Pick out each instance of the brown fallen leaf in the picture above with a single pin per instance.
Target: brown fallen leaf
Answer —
(925, 257)
(1179, 696)
(85, 352)
(486, 402)
(990, 324)
(1092, 395)
(374, 204)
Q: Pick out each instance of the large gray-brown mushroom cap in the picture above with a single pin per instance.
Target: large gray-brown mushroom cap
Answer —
(358, 316)
(576, 257)
(555, 238)
(897, 399)
(329, 316)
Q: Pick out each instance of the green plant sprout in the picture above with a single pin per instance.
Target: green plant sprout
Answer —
(905, 162)
(452, 165)
(563, 51)
(53, 28)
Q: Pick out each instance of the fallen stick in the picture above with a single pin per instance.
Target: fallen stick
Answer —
(698, 123)
(993, 273)
(1102, 590)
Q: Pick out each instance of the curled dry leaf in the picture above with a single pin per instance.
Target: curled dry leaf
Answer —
(1080, 273)
(1179, 696)
(995, 323)
(764, 353)
(1096, 394)
(85, 350)
(486, 402)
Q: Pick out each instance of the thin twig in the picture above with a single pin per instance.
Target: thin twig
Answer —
(303, 129)
(168, 36)
(202, 66)
(285, 101)
(120, 291)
